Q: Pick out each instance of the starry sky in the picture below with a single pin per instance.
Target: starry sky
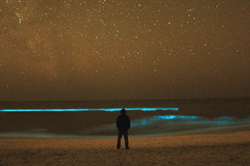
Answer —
(120, 50)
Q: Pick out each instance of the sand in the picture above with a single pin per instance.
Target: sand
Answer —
(225, 148)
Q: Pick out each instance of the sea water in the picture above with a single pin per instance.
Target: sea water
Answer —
(88, 119)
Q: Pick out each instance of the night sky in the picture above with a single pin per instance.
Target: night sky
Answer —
(116, 49)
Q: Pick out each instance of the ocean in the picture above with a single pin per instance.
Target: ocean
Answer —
(96, 119)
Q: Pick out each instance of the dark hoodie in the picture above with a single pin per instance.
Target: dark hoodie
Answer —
(123, 121)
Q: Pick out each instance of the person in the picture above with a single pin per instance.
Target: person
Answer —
(123, 125)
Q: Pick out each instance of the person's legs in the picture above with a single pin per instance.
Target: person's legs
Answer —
(126, 139)
(119, 140)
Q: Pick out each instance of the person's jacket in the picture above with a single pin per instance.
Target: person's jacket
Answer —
(123, 122)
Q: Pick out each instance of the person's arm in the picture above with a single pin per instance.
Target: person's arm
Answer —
(128, 122)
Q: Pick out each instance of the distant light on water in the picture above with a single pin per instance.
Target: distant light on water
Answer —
(89, 109)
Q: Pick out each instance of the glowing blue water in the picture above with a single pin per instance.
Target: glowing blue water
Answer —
(188, 121)
(151, 126)
(163, 118)
(170, 125)
(89, 109)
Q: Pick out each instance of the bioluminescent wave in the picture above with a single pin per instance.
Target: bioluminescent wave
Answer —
(89, 109)
(150, 126)
(162, 119)
(171, 120)
(169, 125)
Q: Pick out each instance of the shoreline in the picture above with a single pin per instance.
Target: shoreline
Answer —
(203, 131)
(209, 131)
(92, 124)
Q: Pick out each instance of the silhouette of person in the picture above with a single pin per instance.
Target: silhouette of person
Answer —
(123, 124)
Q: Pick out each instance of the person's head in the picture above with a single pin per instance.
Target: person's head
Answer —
(123, 111)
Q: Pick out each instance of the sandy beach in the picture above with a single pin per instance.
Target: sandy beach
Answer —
(225, 148)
